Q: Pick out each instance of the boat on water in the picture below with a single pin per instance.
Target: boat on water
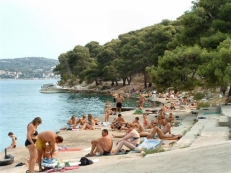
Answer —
(53, 88)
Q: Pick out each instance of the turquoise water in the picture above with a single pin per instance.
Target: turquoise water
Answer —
(207, 113)
(21, 102)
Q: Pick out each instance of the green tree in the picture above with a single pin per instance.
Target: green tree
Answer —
(177, 69)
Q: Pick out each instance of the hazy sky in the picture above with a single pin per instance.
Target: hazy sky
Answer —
(47, 28)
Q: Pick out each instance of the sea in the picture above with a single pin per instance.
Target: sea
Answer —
(21, 102)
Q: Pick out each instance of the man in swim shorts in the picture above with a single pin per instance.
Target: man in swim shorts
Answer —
(119, 101)
(102, 145)
(46, 137)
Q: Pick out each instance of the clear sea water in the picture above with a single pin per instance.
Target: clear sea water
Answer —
(21, 102)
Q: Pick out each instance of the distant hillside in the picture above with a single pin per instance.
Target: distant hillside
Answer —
(28, 64)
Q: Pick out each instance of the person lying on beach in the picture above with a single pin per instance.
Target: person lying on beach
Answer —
(165, 129)
(102, 145)
(46, 137)
(192, 105)
(157, 132)
(70, 124)
(131, 139)
(81, 121)
(14, 140)
(118, 122)
(228, 100)
(90, 124)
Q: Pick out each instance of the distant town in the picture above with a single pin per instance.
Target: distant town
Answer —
(28, 68)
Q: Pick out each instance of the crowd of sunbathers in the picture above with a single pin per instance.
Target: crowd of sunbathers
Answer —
(158, 128)
(81, 123)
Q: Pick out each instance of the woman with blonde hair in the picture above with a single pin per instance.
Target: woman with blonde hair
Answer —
(131, 139)
(30, 142)
(107, 111)
(90, 124)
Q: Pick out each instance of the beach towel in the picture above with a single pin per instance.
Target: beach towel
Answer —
(66, 149)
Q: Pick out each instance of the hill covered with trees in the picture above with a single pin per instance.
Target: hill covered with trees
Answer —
(194, 50)
(29, 67)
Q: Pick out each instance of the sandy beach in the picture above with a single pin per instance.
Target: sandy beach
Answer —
(81, 139)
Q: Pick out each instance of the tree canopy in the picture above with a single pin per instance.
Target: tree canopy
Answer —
(194, 50)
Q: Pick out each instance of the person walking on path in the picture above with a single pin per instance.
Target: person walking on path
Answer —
(30, 142)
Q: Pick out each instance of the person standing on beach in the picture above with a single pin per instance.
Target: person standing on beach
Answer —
(14, 140)
(141, 100)
(119, 101)
(43, 138)
(107, 111)
(30, 142)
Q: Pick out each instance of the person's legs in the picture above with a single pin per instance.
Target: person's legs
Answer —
(93, 147)
(123, 142)
(40, 154)
(154, 131)
(84, 126)
(33, 158)
(99, 147)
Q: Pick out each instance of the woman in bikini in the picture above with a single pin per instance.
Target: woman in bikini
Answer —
(90, 124)
(14, 140)
(131, 139)
(30, 142)
(107, 111)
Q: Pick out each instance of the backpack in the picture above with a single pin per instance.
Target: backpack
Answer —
(85, 161)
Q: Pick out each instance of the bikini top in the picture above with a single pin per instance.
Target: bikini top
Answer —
(35, 133)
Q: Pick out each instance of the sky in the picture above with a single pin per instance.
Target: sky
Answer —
(48, 28)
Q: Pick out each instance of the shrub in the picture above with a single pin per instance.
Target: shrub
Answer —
(198, 96)
(156, 150)
(203, 105)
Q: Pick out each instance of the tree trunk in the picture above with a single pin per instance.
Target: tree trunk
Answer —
(129, 79)
(96, 82)
(229, 94)
(124, 81)
(145, 79)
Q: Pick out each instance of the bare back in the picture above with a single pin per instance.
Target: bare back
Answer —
(106, 143)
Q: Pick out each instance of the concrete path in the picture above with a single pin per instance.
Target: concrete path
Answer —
(207, 159)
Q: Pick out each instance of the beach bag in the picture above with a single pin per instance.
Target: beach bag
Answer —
(85, 161)
(149, 144)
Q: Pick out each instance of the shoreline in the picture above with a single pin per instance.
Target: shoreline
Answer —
(206, 128)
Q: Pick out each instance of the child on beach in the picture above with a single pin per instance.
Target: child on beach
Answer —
(47, 152)
(14, 140)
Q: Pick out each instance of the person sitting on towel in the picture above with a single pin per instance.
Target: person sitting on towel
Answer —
(102, 145)
(131, 139)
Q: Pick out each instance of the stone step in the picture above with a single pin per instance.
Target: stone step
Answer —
(224, 121)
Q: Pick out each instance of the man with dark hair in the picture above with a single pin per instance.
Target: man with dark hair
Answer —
(118, 122)
(46, 137)
(119, 101)
(102, 145)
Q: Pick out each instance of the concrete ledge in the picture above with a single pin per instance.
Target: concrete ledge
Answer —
(224, 121)
(207, 140)
(216, 132)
